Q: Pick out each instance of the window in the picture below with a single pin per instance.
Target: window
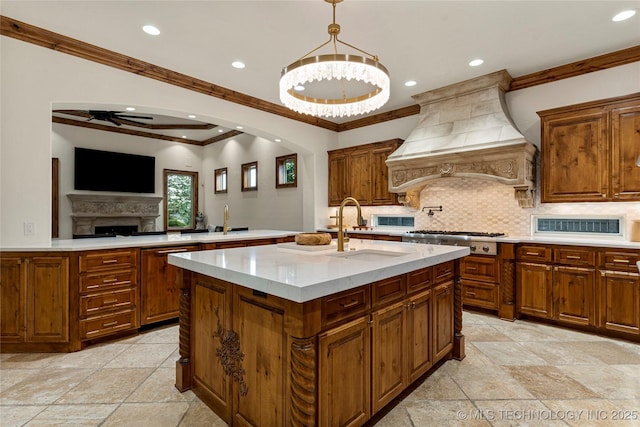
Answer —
(180, 199)
(220, 180)
(287, 171)
(250, 176)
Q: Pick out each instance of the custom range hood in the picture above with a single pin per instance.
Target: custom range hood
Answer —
(464, 130)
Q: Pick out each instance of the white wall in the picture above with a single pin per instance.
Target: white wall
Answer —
(168, 155)
(267, 208)
(34, 78)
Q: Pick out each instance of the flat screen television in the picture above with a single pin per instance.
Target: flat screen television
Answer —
(98, 170)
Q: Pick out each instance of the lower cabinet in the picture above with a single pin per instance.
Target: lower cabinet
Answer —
(573, 295)
(619, 295)
(34, 293)
(534, 289)
(159, 291)
(480, 280)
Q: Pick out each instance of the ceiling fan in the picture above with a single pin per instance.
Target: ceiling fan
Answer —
(116, 117)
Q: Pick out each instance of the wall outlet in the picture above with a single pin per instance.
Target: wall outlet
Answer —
(29, 228)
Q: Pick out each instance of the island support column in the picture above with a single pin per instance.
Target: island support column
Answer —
(458, 351)
(183, 365)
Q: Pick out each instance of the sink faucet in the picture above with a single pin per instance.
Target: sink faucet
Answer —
(225, 228)
(340, 230)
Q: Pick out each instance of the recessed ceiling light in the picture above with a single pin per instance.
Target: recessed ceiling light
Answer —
(237, 64)
(298, 88)
(192, 116)
(184, 136)
(130, 109)
(476, 62)
(239, 127)
(277, 140)
(150, 29)
(625, 14)
(220, 130)
(410, 83)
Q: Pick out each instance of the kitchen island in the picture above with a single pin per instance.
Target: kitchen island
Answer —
(292, 335)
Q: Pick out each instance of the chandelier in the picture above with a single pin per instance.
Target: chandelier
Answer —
(365, 75)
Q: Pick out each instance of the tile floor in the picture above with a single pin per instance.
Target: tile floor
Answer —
(515, 374)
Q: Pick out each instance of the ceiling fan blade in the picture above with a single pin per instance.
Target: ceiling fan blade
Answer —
(114, 121)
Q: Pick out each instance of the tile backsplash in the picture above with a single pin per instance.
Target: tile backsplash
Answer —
(481, 205)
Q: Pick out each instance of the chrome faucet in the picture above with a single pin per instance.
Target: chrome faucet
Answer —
(225, 227)
(340, 230)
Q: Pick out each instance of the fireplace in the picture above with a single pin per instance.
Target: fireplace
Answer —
(94, 213)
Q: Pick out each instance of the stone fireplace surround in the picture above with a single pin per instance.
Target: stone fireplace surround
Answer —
(91, 210)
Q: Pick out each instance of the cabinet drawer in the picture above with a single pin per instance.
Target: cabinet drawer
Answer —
(482, 268)
(533, 253)
(353, 302)
(108, 260)
(419, 279)
(619, 260)
(478, 294)
(443, 272)
(388, 290)
(107, 301)
(574, 256)
(107, 280)
(95, 327)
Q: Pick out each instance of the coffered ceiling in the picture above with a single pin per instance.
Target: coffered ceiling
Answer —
(430, 42)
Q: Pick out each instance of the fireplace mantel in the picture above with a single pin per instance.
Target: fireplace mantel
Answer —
(91, 210)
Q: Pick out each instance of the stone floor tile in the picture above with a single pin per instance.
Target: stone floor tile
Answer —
(610, 352)
(44, 388)
(171, 360)
(560, 353)
(612, 382)
(157, 388)
(75, 415)
(30, 360)
(483, 332)
(16, 416)
(548, 382)
(142, 356)
(92, 357)
(10, 377)
(147, 414)
(164, 335)
(518, 413)
(438, 386)
(509, 354)
(445, 413)
(106, 386)
(199, 415)
(397, 417)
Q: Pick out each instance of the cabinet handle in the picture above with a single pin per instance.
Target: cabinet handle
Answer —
(533, 253)
(350, 304)
(110, 302)
(109, 280)
(413, 305)
(472, 268)
(616, 195)
(605, 273)
(573, 257)
(170, 251)
(93, 286)
(109, 261)
(471, 294)
(106, 325)
(621, 261)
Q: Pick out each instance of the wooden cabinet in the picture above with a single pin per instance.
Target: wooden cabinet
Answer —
(480, 280)
(361, 172)
(159, 291)
(557, 283)
(108, 293)
(35, 300)
(443, 319)
(589, 151)
(619, 291)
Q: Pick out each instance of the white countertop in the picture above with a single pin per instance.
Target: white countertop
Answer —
(170, 239)
(604, 242)
(302, 274)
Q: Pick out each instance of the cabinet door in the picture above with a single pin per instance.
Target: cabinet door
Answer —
(575, 157)
(12, 300)
(625, 176)
(359, 173)
(338, 180)
(419, 335)
(388, 357)
(344, 386)
(619, 296)
(573, 295)
(442, 320)
(211, 310)
(534, 289)
(159, 292)
(48, 299)
(380, 194)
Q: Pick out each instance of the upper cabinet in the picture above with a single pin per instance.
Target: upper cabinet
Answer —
(361, 172)
(589, 151)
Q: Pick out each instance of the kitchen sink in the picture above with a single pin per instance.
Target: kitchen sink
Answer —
(368, 254)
